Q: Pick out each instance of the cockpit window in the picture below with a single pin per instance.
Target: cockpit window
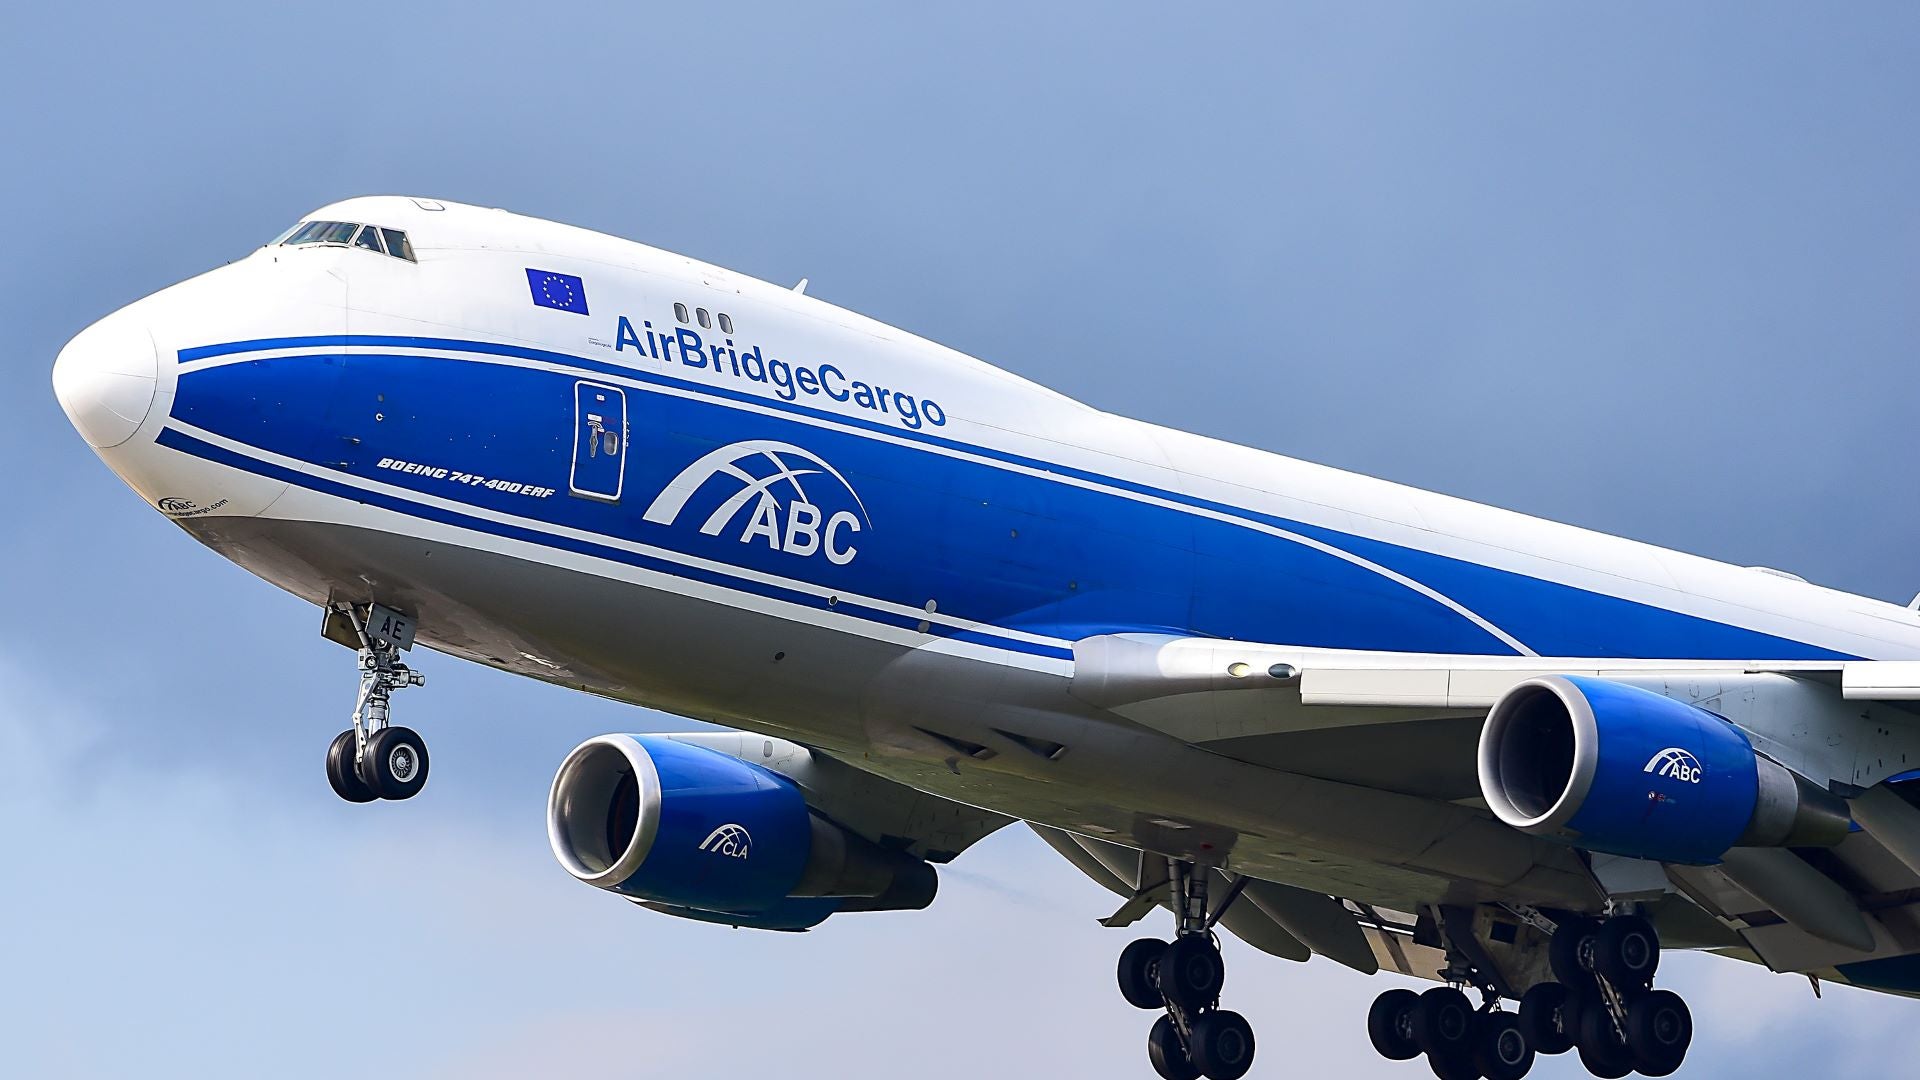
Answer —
(348, 233)
(397, 244)
(321, 232)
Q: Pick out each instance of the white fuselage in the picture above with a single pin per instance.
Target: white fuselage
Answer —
(569, 487)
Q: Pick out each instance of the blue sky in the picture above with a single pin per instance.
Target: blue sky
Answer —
(1649, 268)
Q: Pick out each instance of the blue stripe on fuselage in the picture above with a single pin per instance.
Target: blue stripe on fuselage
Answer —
(990, 545)
(174, 439)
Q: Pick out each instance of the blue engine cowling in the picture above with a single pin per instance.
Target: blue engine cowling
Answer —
(697, 833)
(1619, 769)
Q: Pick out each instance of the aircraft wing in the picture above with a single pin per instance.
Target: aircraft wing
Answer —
(1240, 687)
(1411, 723)
(1405, 722)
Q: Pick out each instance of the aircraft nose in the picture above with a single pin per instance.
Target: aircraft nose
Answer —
(106, 379)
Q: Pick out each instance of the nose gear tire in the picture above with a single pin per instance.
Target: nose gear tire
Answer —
(341, 775)
(395, 766)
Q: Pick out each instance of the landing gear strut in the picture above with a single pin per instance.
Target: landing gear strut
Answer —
(1196, 1038)
(373, 759)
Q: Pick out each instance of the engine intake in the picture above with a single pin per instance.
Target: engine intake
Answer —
(696, 832)
(1619, 769)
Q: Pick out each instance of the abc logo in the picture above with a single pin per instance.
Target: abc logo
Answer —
(1674, 763)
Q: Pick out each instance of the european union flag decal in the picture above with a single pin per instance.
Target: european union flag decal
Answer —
(562, 292)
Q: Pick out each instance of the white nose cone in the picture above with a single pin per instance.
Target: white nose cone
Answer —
(105, 379)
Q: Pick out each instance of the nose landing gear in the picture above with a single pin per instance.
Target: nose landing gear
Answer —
(1196, 1038)
(372, 759)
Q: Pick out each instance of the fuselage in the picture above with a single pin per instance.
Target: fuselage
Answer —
(600, 464)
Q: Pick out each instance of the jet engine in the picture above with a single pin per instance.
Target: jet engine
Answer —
(694, 832)
(1615, 768)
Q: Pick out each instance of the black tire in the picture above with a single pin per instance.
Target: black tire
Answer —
(1501, 1049)
(1169, 1058)
(1563, 952)
(1659, 1031)
(1222, 1045)
(1390, 1025)
(396, 763)
(1627, 952)
(1453, 1068)
(1139, 965)
(1601, 1051)
(340, 771)
(1546, 1017)
(1191, 973)
(1443, 1023)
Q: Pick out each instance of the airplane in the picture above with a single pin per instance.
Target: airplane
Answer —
(923, 599)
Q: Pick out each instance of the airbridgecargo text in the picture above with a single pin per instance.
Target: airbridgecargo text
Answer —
(685, 347)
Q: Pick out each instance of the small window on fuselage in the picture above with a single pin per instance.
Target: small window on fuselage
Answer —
(705, 322)
(726, 323)
(680, 312)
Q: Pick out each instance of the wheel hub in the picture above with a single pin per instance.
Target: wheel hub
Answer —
(1510, 1047)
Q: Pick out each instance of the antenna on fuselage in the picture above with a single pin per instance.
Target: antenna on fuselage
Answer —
(802, 287)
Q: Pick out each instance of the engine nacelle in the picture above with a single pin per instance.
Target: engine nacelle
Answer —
(1615, 768)
(698, 833)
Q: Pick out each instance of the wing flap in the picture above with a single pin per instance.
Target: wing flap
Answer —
(1881, 680)
(1204, 689)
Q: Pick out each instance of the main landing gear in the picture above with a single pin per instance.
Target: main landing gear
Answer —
(1460, 1041)
(1196, 1037)
(1602, 1005)
(373, 759)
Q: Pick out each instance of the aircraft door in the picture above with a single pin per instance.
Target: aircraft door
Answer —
(599, 441)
